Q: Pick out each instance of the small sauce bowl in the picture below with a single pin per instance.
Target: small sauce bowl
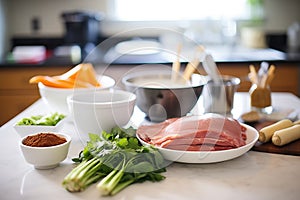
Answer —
(46, 157)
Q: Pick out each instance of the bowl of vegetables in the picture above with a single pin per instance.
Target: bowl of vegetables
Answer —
(40, 123)
(56, 98)
(54, 90)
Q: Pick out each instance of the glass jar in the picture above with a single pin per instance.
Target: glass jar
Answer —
(260, 98)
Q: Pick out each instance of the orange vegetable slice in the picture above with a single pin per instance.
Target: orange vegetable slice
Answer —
(81, 76)
(51, 82)
(72, 73)
(86, 73)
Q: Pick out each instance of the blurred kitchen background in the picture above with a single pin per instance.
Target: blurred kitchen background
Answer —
(40, 22)
(49, 37)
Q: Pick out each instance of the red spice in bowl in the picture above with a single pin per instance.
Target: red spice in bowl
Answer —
(44, 140)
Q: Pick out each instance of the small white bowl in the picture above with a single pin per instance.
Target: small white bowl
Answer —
(101, 110)
(24, 130)
(56, 98)
(46, 157)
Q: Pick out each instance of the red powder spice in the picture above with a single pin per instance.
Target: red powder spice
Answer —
(44, 140)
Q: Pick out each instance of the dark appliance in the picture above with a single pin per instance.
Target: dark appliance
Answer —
(82, 29)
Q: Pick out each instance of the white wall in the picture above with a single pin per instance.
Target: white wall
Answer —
(21, 13)
(279, 14)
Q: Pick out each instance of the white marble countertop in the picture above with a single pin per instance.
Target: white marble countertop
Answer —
(254, 175)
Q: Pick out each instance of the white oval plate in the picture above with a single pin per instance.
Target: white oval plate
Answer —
(209, 156)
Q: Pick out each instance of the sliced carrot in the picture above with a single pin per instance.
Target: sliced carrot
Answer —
(81, 76)
(88, 74)
(82, 84)
(72, 73)
(76, 83)
(51, 82)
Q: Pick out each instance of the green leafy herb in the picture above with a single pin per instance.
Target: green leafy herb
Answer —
(42, 120)
(116, 159)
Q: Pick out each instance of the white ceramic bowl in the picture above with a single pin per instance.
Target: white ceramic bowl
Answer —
(24, 130)
(46, 157)
(56, 98)
(101, 110)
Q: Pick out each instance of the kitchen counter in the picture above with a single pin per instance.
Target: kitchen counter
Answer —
(233, 58)
(49, 62)
(166, 55)
(254, 175)
(105, 53)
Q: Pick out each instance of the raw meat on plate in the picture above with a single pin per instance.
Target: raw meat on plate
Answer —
(207, 132)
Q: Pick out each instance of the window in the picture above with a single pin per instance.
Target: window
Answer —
(169, 10)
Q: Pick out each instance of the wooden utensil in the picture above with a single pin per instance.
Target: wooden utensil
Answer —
(176, 64)
(190, 69)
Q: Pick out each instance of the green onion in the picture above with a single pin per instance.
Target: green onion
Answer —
(115, 160)
(42, 120)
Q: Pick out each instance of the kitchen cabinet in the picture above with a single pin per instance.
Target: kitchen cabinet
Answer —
(15, 91)
(286, 76)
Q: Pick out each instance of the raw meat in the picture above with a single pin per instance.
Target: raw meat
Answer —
(208, 132)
